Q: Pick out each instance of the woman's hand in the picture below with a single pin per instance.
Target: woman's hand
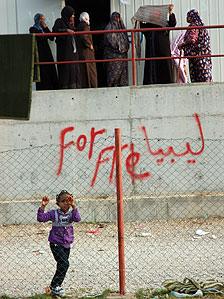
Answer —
(43, 22)
(70, 31)
(181, 46)
(43, 25)
(171, 7)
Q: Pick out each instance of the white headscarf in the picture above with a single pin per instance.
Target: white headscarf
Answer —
(84, 17)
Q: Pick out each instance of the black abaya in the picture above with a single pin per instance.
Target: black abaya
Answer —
(69, 76)
(48, 74)
(158, 45)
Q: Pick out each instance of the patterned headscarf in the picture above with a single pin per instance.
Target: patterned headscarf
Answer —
(118, 24)
(194, 17)
(117, 40)
(202, 43)
(37, 22)
(85, 18)
(155, 14)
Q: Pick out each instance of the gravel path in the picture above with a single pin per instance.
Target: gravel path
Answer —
(155, 251)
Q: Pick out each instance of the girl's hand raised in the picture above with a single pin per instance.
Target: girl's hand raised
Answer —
(71, 201)
(44, 202)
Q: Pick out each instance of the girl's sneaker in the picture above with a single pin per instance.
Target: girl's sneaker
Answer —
(58, 291)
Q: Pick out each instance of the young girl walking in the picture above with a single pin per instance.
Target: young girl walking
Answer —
(61, 235)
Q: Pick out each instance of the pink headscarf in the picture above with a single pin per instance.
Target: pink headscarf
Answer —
(176, 52)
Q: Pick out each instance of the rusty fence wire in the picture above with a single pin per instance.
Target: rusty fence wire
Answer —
(173, 210)
(26, 263)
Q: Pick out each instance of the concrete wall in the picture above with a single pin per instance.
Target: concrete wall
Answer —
(30, 150)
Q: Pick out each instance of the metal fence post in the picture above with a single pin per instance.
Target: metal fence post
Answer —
(133, 58)
(120, 211)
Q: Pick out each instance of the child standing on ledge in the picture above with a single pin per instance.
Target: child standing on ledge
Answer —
(61, 235)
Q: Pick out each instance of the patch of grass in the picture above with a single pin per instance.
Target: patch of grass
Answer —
(41, 296)
(141, 294)
(103, 295)
(160, 293)
(6, 297)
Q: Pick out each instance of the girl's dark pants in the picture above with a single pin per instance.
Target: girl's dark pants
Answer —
(61, 256)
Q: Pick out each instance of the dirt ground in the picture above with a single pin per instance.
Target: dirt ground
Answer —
(154, 251)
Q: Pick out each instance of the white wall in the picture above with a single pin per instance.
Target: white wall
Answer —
(16, 16)
(8, 17)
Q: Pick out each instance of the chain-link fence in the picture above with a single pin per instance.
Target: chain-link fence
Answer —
(173, 206)
(174, 219)
(26, 262)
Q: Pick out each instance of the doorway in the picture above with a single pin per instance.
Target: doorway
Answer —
(99, 12)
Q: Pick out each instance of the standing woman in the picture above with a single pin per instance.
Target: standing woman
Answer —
(48, 74)
(66, 50)
(158, 45)
(116, 45)
(179, 64)
(88, 73)
(197, 42)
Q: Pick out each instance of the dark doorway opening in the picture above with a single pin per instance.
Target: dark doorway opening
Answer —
(99, 12)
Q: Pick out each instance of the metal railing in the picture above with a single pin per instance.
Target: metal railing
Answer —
(133, 58)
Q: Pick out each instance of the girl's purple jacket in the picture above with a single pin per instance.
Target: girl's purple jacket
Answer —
(62, 232)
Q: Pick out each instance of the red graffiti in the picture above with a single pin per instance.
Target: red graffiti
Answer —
(191, 161)
(93, 135)
(131, 156)
(159, 161)
(101, 161)
(170, 150)
(80, 144)
(125, 146)
(131, 162)
(63, 146)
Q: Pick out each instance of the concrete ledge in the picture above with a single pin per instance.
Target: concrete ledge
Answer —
(141, 208)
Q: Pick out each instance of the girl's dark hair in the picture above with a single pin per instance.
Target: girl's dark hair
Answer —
(60, 194)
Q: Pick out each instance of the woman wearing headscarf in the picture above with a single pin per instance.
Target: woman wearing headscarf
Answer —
(158, 45)
(179, 64)
(197, 42)
(88, 73)
(68, 74)
(48, 74)
(116, 45)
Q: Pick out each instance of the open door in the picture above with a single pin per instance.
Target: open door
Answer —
(99, 12)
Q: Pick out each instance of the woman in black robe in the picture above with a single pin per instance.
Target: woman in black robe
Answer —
(48, 73)
(158, 45)
(86, 51)
(68, 74)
